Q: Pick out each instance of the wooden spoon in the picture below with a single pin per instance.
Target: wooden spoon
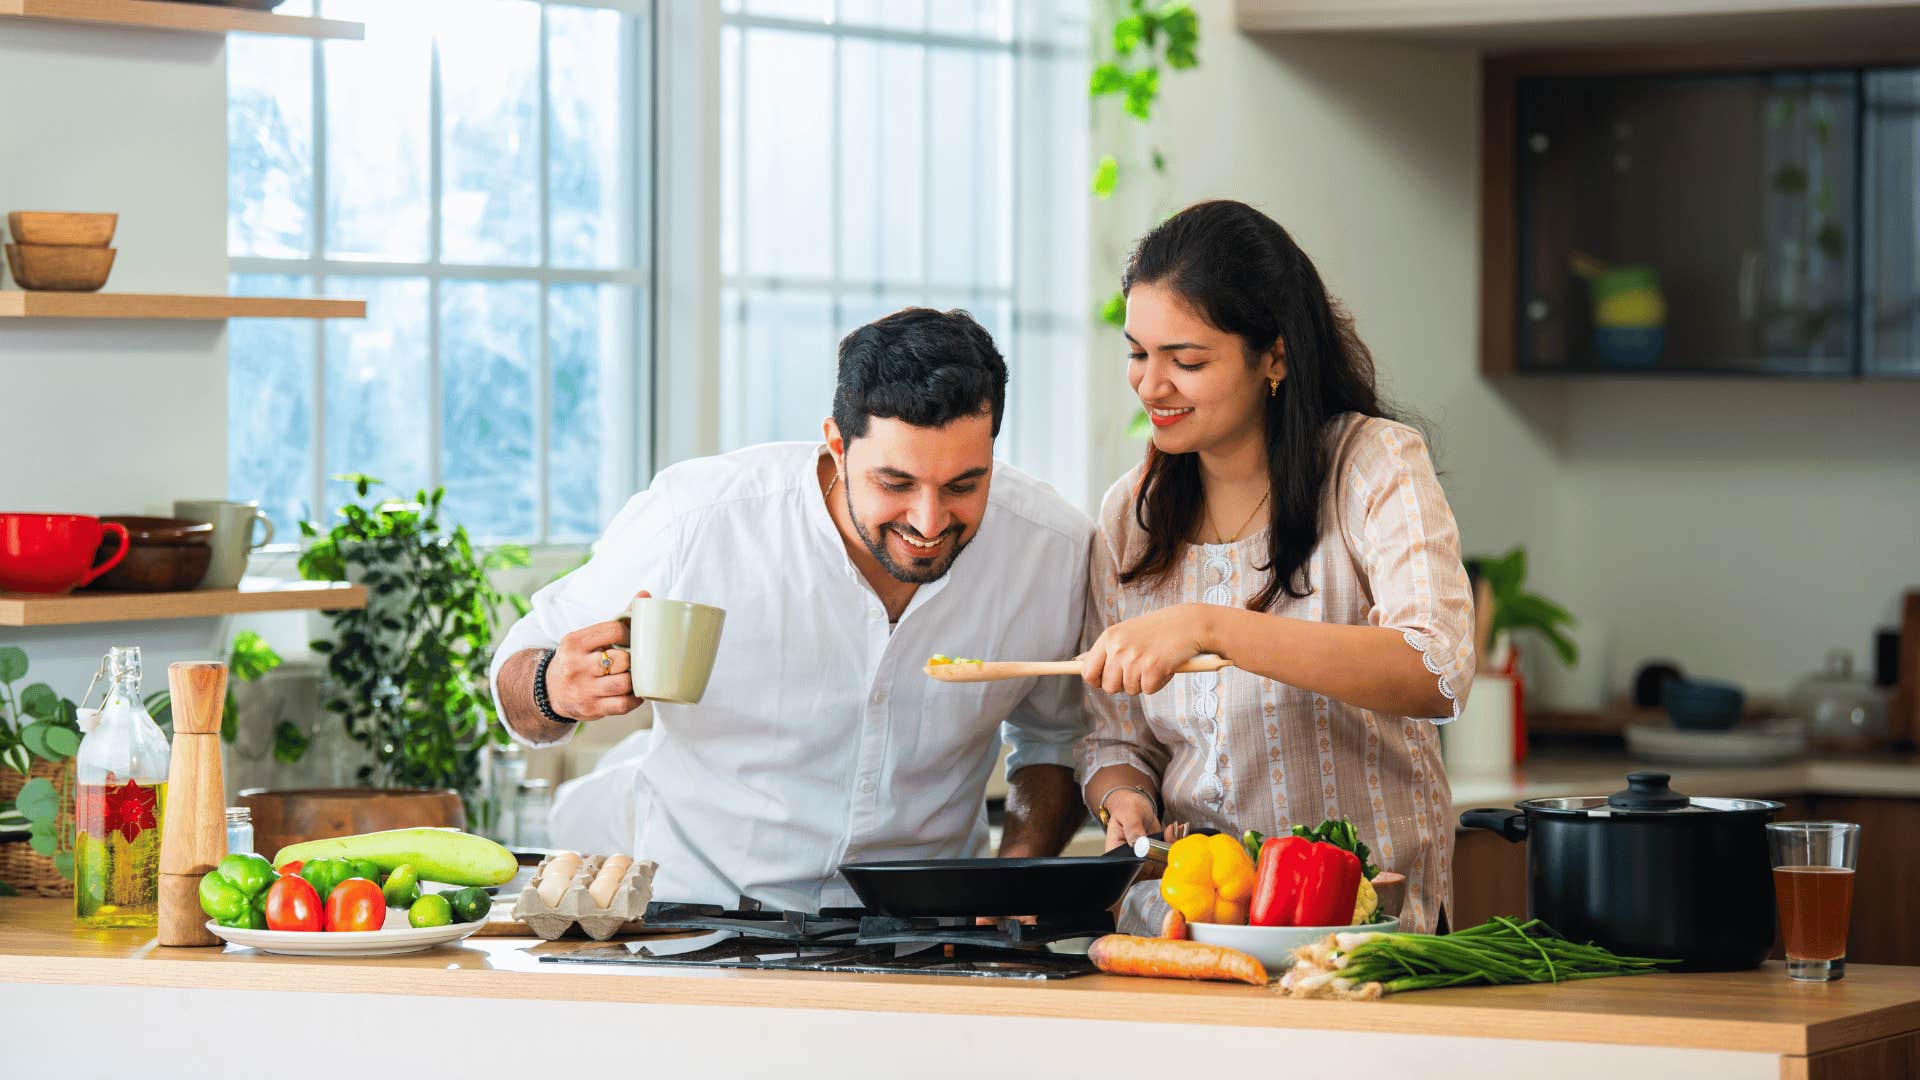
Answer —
(971, 671)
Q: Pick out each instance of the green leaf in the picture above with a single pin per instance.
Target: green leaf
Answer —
(1114, 311)
(1142, 88)
(229, 717)
(1106, 79)
(34, 738)
(1105, 175)
(13, 664)
(160, 706)
(40, 702)
(38, 800)
(1127, 34)
(252, 657)
(41, 838)
(64, 742)
(63, 864)
(18, 758)
(8, 890)
(1141, 427)
(289, 743)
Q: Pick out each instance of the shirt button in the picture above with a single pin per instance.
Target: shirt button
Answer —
(879, 697)
(866, 787)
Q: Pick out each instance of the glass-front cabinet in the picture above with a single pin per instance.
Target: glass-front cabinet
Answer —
(1759, 223)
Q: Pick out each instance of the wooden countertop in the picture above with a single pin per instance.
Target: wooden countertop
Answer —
(1760, 1011)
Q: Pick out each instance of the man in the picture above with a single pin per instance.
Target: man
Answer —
(842, 568)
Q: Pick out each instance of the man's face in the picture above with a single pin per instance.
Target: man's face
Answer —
(916, 495)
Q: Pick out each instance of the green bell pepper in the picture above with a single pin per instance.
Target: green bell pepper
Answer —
(324, 874)
(235, 893)
(365, 868)
(403, 886)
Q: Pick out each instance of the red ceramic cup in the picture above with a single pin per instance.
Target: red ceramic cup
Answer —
(53, 553)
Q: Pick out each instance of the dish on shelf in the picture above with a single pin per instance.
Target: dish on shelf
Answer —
(59, 228)
(53, 268)
(163, 555)
(1748, 744)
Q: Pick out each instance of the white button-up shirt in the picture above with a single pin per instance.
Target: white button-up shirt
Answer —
(820, 740)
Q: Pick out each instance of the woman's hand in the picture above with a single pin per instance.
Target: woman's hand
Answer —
(1139, 656)
(1130, 816)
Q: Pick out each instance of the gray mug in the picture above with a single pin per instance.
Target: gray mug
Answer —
(232, 536)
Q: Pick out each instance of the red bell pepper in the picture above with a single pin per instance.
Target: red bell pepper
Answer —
(1303, 883)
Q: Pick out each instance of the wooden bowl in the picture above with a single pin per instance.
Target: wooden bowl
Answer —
(163, 555)
(296, 816)
(59, 229)
(59, 269)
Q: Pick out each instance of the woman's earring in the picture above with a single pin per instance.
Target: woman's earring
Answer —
(1273, 387)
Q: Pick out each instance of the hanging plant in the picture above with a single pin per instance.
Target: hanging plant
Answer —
(1146, 38)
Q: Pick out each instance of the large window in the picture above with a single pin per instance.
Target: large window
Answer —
(882, 153)
(476, 171)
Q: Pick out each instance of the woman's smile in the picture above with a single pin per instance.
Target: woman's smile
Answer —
(1168, 417)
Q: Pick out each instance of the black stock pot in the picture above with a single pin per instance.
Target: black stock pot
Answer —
(1649, 872)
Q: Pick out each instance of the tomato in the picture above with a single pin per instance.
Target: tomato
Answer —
(292, 869)
(292, 905)
(356, 904)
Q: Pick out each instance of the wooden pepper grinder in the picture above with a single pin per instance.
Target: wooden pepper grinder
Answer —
(193, 838)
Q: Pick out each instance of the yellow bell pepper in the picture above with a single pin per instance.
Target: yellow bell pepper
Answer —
(1209, 879)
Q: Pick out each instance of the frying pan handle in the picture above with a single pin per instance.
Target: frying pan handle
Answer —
(1510, 824)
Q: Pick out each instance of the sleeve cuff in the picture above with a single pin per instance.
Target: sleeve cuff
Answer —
(1028, 751)
(1452, 686)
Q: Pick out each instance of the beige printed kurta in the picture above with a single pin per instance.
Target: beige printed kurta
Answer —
(1236, 751)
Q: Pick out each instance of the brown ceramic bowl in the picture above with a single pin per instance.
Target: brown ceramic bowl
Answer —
(163, 555)
(62, 229)
(296, 816)
(49, 268)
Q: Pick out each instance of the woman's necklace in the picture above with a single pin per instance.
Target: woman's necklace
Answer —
(1220, 539)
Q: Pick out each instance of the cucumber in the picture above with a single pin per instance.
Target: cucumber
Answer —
(445, 855)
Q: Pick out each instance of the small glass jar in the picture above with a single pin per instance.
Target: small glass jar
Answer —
(239, 830)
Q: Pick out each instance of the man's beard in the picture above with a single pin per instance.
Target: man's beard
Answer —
(917, 571)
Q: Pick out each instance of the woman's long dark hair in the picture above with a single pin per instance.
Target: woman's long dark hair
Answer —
(1241, 271)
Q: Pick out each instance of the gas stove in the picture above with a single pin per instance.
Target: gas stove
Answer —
(853, 940)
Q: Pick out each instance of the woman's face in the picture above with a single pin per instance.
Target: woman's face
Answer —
(1199, 391)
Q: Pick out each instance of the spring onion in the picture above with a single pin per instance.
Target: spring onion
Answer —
(1363, 966)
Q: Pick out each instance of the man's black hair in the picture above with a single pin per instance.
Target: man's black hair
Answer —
(925, 367)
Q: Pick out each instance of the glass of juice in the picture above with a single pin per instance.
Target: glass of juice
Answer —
(1813, 864)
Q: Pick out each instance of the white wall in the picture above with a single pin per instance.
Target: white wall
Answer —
(102, 416)
(1739, 527)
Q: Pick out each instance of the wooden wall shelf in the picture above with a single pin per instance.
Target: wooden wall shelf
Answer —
(172, 15)
(254, 594)
(27, 304)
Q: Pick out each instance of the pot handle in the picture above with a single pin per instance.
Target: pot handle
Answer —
(113, 560)
(1511, 824)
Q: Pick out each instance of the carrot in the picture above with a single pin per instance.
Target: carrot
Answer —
(1124, 954)
(1174, 926)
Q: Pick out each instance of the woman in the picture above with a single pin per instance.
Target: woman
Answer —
(1283, 521)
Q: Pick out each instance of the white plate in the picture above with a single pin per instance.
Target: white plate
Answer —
(393, 938)
(1274, 945)
(1774, 740)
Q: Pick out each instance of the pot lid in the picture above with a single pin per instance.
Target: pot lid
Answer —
(1646, 793)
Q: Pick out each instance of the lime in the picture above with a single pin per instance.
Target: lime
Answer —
(430, 910)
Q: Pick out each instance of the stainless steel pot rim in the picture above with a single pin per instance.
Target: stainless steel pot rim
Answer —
(1596, 806)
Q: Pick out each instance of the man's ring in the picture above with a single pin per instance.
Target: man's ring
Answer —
(606, 661)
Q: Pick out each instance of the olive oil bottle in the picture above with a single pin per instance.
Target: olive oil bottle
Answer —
(120, 799)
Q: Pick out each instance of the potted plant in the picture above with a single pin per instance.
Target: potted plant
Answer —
(407, 674)
(1489, 736)
(39, 733)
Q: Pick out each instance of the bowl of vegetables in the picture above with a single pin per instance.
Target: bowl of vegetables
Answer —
(1274, 945)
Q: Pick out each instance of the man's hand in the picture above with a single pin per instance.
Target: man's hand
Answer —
(589, 679)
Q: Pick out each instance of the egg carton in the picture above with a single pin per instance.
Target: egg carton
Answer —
(576, 908)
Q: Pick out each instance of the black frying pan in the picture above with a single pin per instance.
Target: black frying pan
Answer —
(920, 888)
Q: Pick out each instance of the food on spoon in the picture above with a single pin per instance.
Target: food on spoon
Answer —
(607, 881)
(558, 872)
(941, 660)
(446, 855)
(1124, 954)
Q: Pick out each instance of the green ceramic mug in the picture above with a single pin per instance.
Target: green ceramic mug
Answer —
(674, 643)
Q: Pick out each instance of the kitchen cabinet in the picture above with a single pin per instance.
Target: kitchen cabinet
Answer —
(1702, 213)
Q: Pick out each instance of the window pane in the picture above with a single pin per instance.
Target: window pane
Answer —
(270, 406)
(893, 14)
(1892, 228)
(784, 381)
(488, 358)
(789, 87)
(883, 158)
(591, 406)
(377, 381)
(269, 146)
(972, 18)
(490, 123)
(812, 10)
(377, 131)
(590, 223)
(970, 166)
(730, 150)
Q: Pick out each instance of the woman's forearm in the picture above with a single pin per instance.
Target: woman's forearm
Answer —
(1373, 667)
(1113, 777)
